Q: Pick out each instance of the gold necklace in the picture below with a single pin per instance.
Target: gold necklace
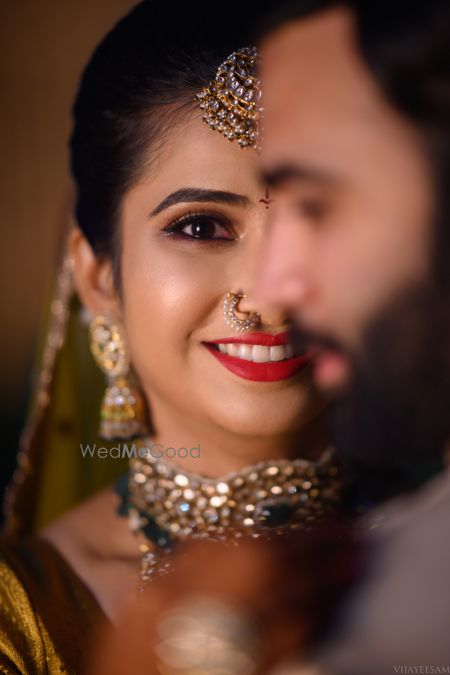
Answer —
(166, 504)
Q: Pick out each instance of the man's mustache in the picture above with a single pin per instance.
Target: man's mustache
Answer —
(305, 340)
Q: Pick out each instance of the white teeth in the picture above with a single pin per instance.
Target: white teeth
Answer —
(260, 354)
(245, 352)
(278, 353)
(233, 349)
(257, 353)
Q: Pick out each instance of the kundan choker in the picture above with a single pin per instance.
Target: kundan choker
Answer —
(165, 503)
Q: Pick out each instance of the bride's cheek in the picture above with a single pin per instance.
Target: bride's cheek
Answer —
(168, 300)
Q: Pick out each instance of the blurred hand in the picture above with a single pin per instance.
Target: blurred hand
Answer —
(286, 589)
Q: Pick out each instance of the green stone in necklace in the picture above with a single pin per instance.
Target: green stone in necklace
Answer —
(166, 504)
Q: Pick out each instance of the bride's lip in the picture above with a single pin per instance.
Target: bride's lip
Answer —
(265, 339)
(270, 371)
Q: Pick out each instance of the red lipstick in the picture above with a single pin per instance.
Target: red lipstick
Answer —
(270, 371)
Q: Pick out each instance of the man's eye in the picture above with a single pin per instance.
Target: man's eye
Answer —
(314, 209)
(200, 227)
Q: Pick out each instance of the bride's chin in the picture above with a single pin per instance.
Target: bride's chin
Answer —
(269, 418)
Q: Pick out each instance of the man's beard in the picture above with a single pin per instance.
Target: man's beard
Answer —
(392, 427)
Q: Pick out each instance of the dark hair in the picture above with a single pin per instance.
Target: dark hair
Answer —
(143, 74)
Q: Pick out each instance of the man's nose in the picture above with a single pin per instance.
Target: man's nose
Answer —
(282, 279)
(272, 316)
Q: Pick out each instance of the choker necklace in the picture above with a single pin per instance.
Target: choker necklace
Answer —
(166, 504)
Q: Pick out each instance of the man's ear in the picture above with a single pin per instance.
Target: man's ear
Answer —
(93, 278)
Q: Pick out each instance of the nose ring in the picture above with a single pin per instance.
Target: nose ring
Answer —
(230, 305)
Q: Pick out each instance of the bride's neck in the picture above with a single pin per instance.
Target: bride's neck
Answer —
(212, 451)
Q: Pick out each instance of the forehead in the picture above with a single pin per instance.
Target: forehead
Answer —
(192, 156)
(196, 155)
(320, 95)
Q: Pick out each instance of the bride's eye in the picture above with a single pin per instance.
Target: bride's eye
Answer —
(201, 226)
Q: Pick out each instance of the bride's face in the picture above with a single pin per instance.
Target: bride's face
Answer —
(192, 230)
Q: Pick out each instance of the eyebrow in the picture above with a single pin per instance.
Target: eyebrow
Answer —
(290, 172)
(200, 195)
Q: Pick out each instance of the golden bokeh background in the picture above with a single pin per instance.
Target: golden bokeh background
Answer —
(44, 47)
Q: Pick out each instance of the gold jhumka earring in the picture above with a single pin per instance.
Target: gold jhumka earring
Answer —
(122, 411)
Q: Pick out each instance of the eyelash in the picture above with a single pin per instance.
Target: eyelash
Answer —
(175, 227)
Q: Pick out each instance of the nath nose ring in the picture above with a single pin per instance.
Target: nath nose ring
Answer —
(230, 305)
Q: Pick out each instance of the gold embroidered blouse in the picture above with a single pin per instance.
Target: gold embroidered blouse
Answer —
(48, 617)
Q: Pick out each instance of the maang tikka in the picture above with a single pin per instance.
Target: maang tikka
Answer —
(122, 413)
(231, 102)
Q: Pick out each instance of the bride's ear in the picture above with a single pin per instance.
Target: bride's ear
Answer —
(93, 277)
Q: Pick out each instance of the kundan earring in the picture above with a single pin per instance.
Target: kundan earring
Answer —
(122, 414)
(230, 305)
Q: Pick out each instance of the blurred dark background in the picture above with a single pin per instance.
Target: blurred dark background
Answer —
(44, 46)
